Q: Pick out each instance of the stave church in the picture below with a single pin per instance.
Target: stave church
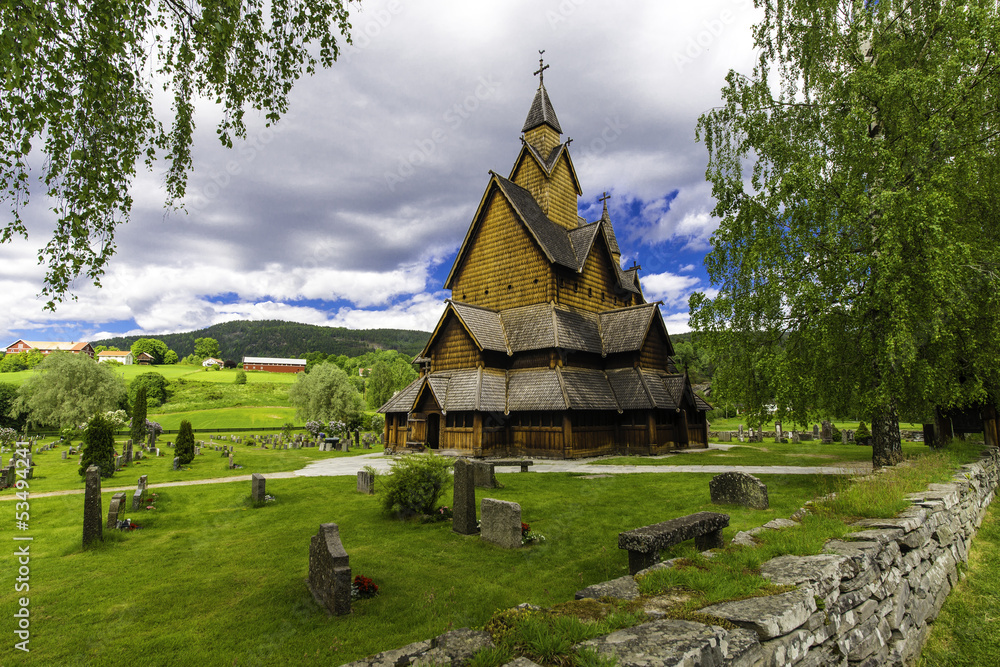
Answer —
(547, 346)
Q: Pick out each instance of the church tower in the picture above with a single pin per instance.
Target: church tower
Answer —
(546, 346)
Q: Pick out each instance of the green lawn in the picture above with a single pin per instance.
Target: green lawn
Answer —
(209, 580)
(52, 473)
(733, 424)
(766, 454)
(236, 417)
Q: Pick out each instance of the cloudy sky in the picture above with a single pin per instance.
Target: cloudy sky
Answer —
(350, 211)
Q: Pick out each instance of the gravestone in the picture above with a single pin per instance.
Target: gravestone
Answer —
(795, 437)
(257, 488)
(777, 431)
(128, 453)
(483, 473)
(230, 461)
(142, 482)
(177, 463)
(225, 452)
(64, 456)
(805, 437)
(738, 488)
(366, 482)
(463, 504)
(137, 499)
(827, 432)
(501, 523)
(357, 438)
(117, 503)
(741, 431)
(92, 515)
(330, 570)
(345, 445)
(815, 430)
(725, 436)
(849, 436)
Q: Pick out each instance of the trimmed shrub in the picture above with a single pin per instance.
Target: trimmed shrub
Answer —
(99, 446)
(241, 377)
(184, 445)
(415, 484)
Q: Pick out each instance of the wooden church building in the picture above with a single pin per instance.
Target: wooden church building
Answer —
(546, 346)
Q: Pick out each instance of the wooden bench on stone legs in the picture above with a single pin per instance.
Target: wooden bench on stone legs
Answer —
(644, 544)
(523, 463)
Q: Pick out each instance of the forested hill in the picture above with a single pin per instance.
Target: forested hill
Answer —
(273, 338)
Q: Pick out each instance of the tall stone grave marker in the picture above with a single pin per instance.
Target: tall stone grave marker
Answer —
(463, 504)
(827, 432)
(92, 515)
(777, 431)
(501, 523)
(815, 430)
(257, 487)
(330, 570)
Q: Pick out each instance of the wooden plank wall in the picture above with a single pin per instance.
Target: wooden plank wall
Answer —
(453, 348)
(503, 266)
(597, 279)
(654, 350)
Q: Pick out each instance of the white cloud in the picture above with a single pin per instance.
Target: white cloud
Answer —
(670, 288)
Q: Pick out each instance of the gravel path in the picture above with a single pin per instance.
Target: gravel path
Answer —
(349, 466)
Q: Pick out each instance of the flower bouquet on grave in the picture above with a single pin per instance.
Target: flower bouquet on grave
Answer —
(528, 536)
(362, 587)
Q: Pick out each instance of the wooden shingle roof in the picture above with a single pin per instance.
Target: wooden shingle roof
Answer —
(588, 389)
(624, 329)
(484, 325)
(534, 389)
(552, 238)
(541, 112)
(404, 399)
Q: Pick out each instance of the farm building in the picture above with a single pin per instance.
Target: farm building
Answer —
(274, 365)
(111, 355)
(48, 347)
(547, 346)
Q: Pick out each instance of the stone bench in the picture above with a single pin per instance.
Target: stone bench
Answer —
(644, 544)
(513, 462)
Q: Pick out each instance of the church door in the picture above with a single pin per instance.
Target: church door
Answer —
(433, 429)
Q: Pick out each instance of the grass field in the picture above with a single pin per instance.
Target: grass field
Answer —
(176, 372)
(236, 417)
(766, 454)
(52, 473)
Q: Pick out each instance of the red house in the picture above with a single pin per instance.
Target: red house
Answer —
(274, 365)
(48, 347)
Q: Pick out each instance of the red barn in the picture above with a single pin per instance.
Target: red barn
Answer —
(274, 365)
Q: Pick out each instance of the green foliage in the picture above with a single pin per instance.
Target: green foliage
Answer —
(151, 346)
(155, 386)
(240, 378)
(139, 410)
(388, 375)
(79, 85)
(855, 175)
(22, 361)
(184, 444)
(99, 446)
(206, 347)
(862, 431)
(415, 484)
(325, 394)
(8, 396)
(273, 338)
(170, 357)
(67, 390)
(376, 423)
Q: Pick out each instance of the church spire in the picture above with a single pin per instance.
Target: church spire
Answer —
(541, 112)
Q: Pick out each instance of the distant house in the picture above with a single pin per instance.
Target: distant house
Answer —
(274, 365)
(48, 347)
(122, 357)
(145, 359)
(213, 362)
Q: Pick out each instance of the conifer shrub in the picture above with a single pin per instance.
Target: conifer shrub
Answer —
(241, 377)
(184, 445)
(138, 428)
(99, 446)
(415, 484)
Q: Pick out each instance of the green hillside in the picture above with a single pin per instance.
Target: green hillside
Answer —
(274, 338)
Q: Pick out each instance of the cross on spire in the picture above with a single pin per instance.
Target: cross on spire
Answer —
(605, 198)
(540, 72)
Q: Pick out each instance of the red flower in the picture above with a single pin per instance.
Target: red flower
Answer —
(525, 528)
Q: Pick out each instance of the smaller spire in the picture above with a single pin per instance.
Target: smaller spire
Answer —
(605, 198)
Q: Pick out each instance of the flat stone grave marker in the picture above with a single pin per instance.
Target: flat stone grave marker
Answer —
(117, 503)
(330, 570)
(725, 436)
(366, 482)
(463, 504)
(64, 456)
(501, 523)
(257, 487)
(483, 473)
(92, 515)
(738, 488)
